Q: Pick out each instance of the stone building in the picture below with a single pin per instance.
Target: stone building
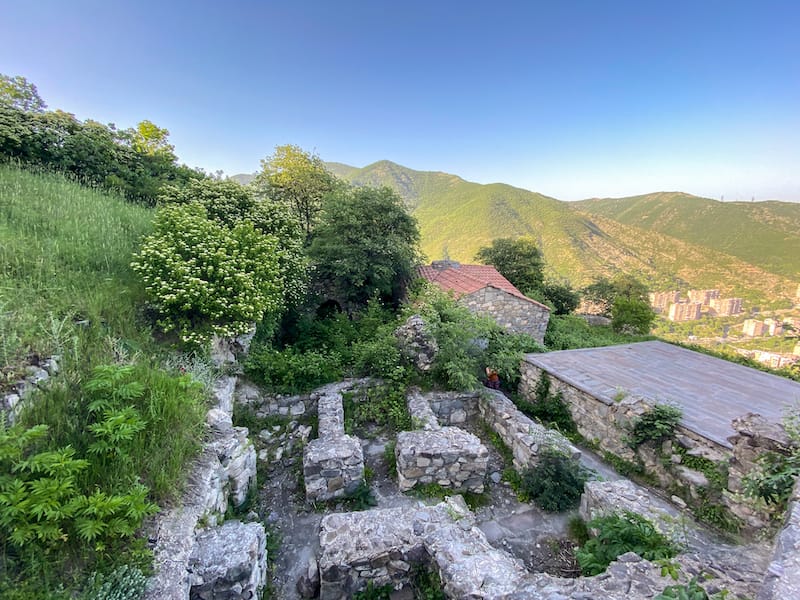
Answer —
(685, 311)
(726, 307)
(484, 291)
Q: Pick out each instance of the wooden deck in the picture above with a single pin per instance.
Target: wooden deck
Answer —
(711, 391)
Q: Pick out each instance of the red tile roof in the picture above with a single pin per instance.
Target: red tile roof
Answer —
(466, 279)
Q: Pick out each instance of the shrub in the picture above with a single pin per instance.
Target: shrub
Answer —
(632, 314)
(206, 279)
(123, 583)
(776, 473)
(556, 483)
(618, 534)
(549, 409)
(656, 424)
(291, 371)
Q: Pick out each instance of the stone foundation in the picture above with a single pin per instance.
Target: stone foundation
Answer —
(525, 437)
(445, 456)
(449, 457)
(382, 546)
(229, 561)
(333, 464)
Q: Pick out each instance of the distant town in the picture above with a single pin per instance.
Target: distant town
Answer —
(749, 335)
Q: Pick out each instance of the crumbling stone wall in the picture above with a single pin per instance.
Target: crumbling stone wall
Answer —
(509, 311)
(446, 456)
(525, 437)
(223, 473)
(782, 579)
(607, 422)
(454, 408)
(333, 464)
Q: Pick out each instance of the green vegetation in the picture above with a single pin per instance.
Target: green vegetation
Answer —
(364, 246)
(548, 408)
(134, 162)
(774, 478)
(689, 591)
(556, 483)
(567, 332)
(618, 534)
(654, 425)
(582, 240)
(425, 585)
(110, 437)
(204, 279)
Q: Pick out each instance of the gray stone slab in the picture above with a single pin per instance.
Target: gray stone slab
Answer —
(710, 391)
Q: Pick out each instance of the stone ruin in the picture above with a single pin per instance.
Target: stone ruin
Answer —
(445, 456)
(196, 557)
(333, 464)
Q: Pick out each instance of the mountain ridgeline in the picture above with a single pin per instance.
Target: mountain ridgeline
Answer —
(669, 239)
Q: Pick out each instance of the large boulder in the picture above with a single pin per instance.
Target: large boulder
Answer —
(416, 343)
(229, 562)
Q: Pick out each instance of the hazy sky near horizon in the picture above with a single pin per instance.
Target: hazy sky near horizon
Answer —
(571, 99)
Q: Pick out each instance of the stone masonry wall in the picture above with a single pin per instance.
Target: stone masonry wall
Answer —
(333, 464)
(525, 437)
(783, 574)
(509, 311)
(454, 408)
(432, 454)
(606, 421)
(382, 546)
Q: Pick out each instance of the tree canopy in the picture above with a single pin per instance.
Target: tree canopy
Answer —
(298, 178)
(17, 92)
(518, 260)
(365, 244)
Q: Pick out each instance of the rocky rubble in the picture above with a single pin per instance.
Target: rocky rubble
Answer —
(223, 473)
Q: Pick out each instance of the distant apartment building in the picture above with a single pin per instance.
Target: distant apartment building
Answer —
(726, 307)
(660, 301)
(774, 327)
(797, 295)
(775, 360)
(754, 328)
(704, 297)
(796, 350)
(685, 311)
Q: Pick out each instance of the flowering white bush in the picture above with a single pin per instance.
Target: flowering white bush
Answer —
(205, 278)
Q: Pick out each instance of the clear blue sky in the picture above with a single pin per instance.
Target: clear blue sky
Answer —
(572, 99)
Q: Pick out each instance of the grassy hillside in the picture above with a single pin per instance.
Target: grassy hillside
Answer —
(766, 234)
(65, 252)
(580, 241)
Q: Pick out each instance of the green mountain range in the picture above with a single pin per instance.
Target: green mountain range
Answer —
(670, 239)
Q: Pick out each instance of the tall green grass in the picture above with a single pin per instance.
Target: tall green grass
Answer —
(66, 288)
(65, 277)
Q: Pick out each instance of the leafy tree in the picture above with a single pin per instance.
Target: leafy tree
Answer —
(17, 92)
(604, 291)
(559, 295)
(149, 138)
(631, 313)
(298, 178)
(365, 245)
(230, 204)
(520, 261)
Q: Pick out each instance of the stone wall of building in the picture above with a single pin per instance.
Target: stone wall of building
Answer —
(782, 579)
(525, 437)
(454, 408)
(382, 546)
(333, 464)
(674, 464)
(509, 311)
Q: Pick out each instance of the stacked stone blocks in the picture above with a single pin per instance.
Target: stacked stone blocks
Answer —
(432, 454)
(333, 464)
